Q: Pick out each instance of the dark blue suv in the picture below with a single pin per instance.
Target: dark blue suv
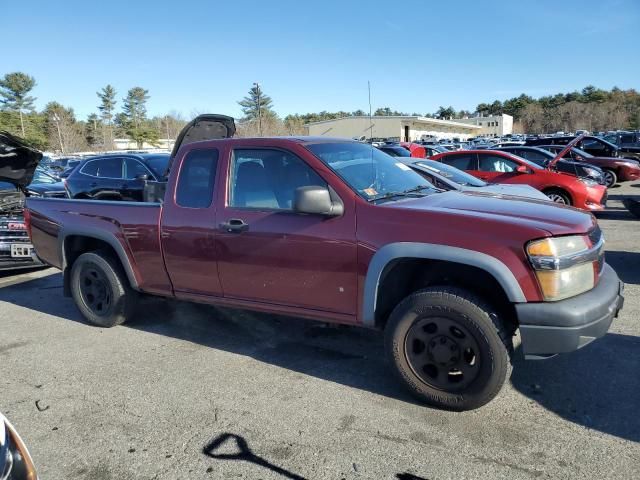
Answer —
(116, 176)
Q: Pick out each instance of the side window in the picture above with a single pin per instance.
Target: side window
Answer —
(109, 168)
(197, 179)
(495, 163)
(534, 156)
(267, 179)
(627, 138)
(90, 168)
(463, 161)
(134, 168)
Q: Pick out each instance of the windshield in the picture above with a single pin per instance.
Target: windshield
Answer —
(396, 151)
(370, 172)
(158, 163)
(582, 153)
(452, 173)
(41, 177)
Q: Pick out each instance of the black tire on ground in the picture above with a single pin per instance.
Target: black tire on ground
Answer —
(610, 177)
(101, 290)
(558, 196)
(449, 348)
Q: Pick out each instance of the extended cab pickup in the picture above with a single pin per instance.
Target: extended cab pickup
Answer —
(338, 231)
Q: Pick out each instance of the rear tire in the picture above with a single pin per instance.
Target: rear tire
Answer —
(449, 348)
(610, 177)
(101, 289)
(558, 196)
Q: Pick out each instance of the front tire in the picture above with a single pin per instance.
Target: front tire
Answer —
(101, 289)
(449, 348)
(558, 196)
(610, 178)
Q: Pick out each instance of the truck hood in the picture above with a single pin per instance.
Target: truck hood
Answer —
(18, 161)
(209, 126)
(538, 214)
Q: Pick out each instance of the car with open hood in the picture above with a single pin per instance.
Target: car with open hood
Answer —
(337, 231)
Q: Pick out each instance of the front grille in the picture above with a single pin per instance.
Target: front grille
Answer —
(12, 236)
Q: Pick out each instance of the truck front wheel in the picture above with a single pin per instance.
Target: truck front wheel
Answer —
(101, 290)
(449, 348)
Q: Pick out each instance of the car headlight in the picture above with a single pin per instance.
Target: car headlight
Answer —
(589, 182)
(15, 461)
(565, 266)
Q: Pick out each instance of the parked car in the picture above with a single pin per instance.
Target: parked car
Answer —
(628, 143)
(61, 163)
(116, 177)
(335, 230)
(395, 150)
(15, 460)
(447, 177)
(543, 157)
(44, 184)
(614, 169)
(596, 146)
(415, 149)
(18, 163)
(495, 166)
(71, 166)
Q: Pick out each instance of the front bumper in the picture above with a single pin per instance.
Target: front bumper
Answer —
(549, 328)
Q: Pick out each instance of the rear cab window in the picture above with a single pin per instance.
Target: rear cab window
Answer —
(197, 178)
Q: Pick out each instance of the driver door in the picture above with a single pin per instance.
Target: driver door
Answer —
(268, 253)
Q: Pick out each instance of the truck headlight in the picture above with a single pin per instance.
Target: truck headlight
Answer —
(565, 266)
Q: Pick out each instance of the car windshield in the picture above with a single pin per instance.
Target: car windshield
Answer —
(370, 172)
(452, 173)
(396, 151)
(41, 177)
(158, 164)
(582, 153)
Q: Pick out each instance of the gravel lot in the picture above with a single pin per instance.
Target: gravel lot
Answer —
(171, 394)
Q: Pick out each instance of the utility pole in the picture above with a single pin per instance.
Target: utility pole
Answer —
(257, 85)
(56, 118)
(166, 121)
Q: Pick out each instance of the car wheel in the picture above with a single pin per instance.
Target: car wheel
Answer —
(101, 289)
(610, 178)
(558, 196)
(449, 348)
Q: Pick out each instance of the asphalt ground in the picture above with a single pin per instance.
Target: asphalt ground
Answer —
(193, 392)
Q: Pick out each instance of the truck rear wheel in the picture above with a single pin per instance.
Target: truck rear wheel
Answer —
(101, 290)
(449, 348)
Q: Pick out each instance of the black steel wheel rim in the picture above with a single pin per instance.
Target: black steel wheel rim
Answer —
(442, 353)
(95, 290)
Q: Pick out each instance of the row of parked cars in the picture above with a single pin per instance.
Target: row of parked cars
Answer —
(564, 172)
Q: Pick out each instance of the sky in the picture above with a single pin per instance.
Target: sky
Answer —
(199, 56)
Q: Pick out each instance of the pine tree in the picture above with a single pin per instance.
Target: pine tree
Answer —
(135, 116)
(256, 104)
(107, 105)
(15, 88)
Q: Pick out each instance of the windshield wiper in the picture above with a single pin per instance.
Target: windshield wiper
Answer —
(410, 192)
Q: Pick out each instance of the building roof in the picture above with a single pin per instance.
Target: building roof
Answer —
(418, 119)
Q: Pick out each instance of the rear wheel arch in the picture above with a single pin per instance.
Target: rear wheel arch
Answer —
(75, 243)
(399, 269)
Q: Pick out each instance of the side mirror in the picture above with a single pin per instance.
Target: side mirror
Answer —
(522, 169)
(316, 200)
(143, 177)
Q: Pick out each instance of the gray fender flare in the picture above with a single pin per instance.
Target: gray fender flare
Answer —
(98, 234)
(393, 251)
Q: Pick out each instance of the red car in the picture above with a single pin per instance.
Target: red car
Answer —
(494, 166)
(417, 151)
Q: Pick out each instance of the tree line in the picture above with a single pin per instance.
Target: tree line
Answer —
(56, 127)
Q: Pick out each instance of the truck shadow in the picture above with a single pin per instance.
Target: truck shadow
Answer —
(597, 387)
(626, 265)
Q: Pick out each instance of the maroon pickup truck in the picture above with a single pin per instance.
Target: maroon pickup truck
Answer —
(338, 231)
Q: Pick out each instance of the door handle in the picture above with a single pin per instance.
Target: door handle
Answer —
(235, 225)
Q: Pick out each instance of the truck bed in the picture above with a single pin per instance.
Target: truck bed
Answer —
(129, 228)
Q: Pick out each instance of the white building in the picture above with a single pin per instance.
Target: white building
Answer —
(403, 128)
(127, 144)
(493, 126)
